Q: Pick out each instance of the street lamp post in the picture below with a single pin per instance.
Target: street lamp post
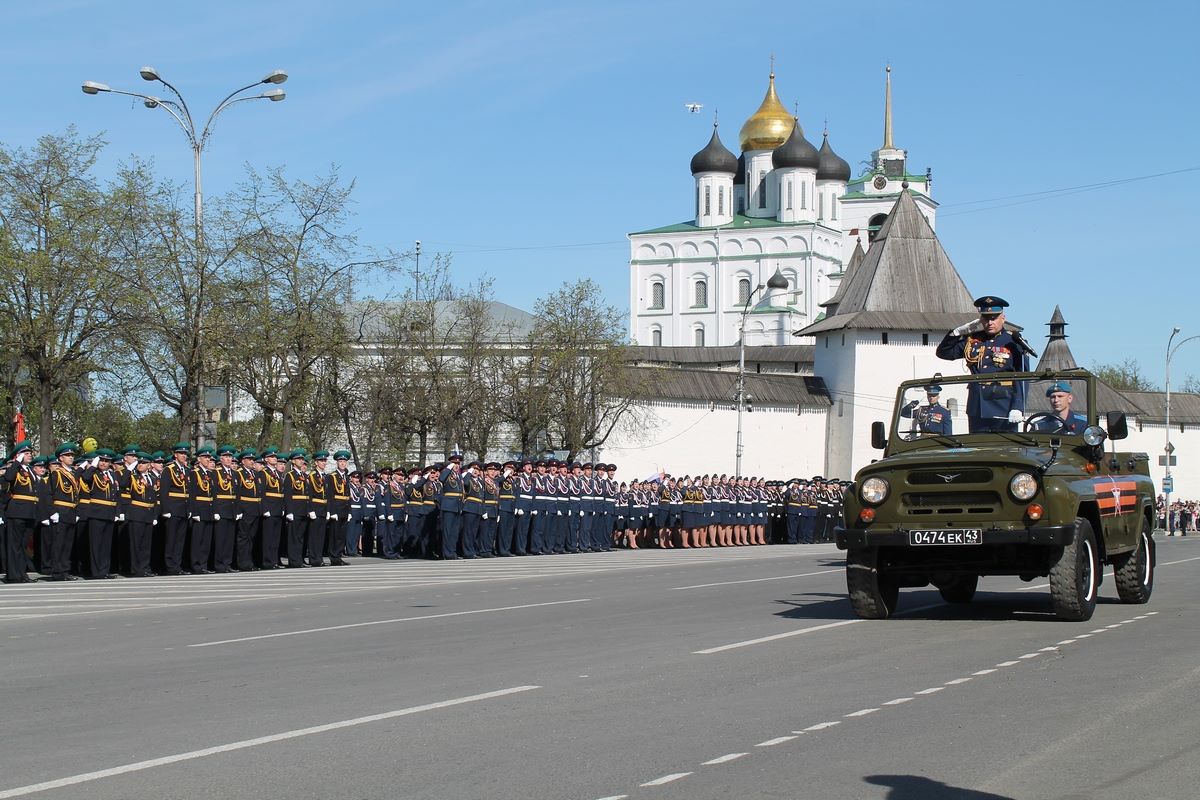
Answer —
(1167, 449)
(740, 398)
(178, 109)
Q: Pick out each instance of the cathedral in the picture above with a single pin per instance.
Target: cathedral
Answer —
(771, 234)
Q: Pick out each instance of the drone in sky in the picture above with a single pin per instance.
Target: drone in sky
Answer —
(693, 107)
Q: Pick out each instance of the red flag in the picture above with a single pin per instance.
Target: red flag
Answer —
(19, 426)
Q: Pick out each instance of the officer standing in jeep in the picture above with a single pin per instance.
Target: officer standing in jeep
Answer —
(931, 418)
(987, 347)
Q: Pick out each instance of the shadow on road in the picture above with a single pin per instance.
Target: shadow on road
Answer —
(916, 787)
(987, 607)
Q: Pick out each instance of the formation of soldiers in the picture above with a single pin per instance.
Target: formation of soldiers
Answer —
(225, 509)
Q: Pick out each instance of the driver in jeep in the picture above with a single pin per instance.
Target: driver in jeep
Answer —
(1060, 419)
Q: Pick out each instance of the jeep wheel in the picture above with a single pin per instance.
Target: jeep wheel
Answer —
(1074, 577)
(961, 589)
(873, 596)
(1135, 571)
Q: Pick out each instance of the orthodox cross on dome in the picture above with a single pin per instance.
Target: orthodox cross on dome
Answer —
(772, 65)
(887, 112)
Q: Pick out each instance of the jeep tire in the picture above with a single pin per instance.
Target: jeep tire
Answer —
(872, 595)
(1074, 577)
(1135, 571)
(961, 589)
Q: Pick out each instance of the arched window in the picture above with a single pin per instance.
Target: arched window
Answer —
(698, 336)
(820, 206)
(658, 295)
(743, 291)
(656, 337)
(707, 200)
(803, 194)
(701, 294)
(833, 204)
(873, 226)
(721, 200)
(791, 186)
(762, 189)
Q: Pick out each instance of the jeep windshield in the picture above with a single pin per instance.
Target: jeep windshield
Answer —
(1021, 407)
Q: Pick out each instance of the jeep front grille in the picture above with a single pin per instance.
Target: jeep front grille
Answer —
(950, 477)
(939, 503)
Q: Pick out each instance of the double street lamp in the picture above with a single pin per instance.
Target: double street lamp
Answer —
(197, 139)
(1168, 449)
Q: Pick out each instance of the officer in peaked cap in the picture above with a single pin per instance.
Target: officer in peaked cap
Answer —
(989, 348)
(932, 417)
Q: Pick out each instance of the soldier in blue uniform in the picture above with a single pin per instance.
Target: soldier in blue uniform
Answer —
(988, 348)
(507, 507)
(931, 418)
(450, 506)
(1061, 419)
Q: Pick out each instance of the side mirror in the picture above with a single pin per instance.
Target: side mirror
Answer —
(878, 435)
(1118, 428)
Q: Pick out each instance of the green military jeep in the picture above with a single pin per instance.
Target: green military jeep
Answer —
(1044, 499)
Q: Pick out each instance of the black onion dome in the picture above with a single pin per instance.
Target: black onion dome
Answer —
(715, 157)
(739, 177)
(831, 166)
(795, 152)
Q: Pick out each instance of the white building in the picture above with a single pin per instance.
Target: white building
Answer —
(783, 208)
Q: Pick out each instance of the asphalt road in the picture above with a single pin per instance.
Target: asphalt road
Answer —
(703, 674)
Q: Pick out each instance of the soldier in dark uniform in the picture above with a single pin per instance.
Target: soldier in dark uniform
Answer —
(271, 525)
(431, 491)
(141, 514)
(173, 507)
(396, 512)
(103, 510)
(793, 505)
(354, 526)
(224, 509)
(931, 418)
(506, 508)
(472, 509)
(339, 507)
(489, 522)
(543, 507)
(248, 487)
(296, 507)
(987, 348)
(202, 493)
(1062, 419)
(411, 545)
(64, 513)
(523, 508)
(450, 506)
(318, 509)
(369, 497)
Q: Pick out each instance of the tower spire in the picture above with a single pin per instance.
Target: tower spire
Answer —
(887, 112)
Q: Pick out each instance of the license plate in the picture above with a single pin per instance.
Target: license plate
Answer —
(948, 536)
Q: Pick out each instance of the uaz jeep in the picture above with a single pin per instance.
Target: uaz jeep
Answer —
(946, 508)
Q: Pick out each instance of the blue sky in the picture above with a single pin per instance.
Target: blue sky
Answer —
(529, 138)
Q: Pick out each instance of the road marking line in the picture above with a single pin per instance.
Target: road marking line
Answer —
(1152, 613)
(753, 580)
(666, 779)
(1007, 663)
(1051, 649)
(820, 726)
(776, 637)
(931, 690)
(957, 681)
(1067, 641)
(725, 759)
(1099, 630)
(1181, 561)
(389, 622)
(244, 744)
(898, 701)
(984, 672)
(775, 741)
(862, 712)
(1029, 655)
(1110, 627)
(615, 797)
(1084, 636)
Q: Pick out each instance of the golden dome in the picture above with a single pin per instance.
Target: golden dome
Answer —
(768, 127)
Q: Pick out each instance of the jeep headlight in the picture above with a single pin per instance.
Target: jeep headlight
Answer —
(874, 491)
(1023, 486)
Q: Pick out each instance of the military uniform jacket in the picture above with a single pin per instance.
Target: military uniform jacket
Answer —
(224, 499)
(202, 491)
(451, 498)
(22, 497)
(507, 498)
(933, 418)
(173, 491)
(524, 488)
(64, 494)
(339, 494)
(272, 492)
(983, 356)
(397, 500)
(104, 495)
(491, 497)
(472, 494)
(143, 497)
(295, 493)
(248, 486)
(318, 494)
(414, 498)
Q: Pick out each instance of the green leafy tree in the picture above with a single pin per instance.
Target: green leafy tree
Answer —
(1125, 375)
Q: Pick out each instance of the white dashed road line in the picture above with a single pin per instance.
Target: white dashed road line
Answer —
(775, 741)
(725, 759)
(666, 779)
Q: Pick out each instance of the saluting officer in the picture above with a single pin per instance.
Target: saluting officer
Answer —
(933, 417)
(20, 514)
(523, 508)
(988, 348)
(103, 511)
(202, 493)
(450, 506)
(141, 515)
(64, 513)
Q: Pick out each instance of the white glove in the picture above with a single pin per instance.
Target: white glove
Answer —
(534, 512)
(237, 517)
(96, 461)
(379, 516)
(120, 517)
(54, 517)
(558, 513)
(196, 517)
(581, 513)
(520, 512)
(968, 328)
(290, 518)
(312, 515)
(485, 515)
(391, 517)
(266, 513)
(153, 522)
(216, 517)
(46, 522)
(330, 516)
(1015, 416)
(166, 516)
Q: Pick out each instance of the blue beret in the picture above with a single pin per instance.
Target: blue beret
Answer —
(1059, 386)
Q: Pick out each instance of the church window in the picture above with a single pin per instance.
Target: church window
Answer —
(699, 336)
(820, 206)
(833, 204)
(803, 194)
(873, 226)
(658, 295)
(762, 189)
(721, 200)
(791, 188)
(707, 200)
(656, 337)
(743, 291)
(885, 337)
(701, 294)
(925, 338)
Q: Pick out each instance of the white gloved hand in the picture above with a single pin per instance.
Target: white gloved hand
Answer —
(290, 518)
(167, 515)
(581, 513)
(153, 522)
(196, 517)
(391, 517)
(237, 517)
(312, 515)
(520, 512)
(46, 522)
(533, 512)
(558, 513)
(330, 516)
(485, 515)
(1015, 416)
(54, 518)
(120, 517)
(216, 517)
(968, 328)
(379, 516)
(266, 513)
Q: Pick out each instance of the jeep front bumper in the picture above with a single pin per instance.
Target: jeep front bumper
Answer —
(1060, 535)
